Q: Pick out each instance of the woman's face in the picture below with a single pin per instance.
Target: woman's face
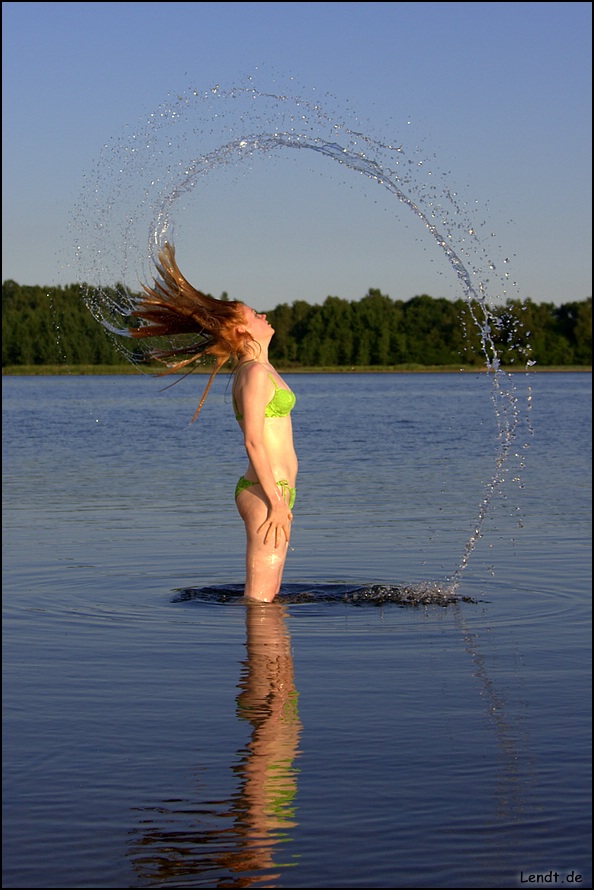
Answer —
(256, 324)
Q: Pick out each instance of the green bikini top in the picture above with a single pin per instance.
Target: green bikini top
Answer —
(280, 405)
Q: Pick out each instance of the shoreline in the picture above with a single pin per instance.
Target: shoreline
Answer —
(120, 370)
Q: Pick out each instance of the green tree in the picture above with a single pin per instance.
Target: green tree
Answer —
(44, 326)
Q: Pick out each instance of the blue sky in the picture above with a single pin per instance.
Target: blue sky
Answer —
(495, 96)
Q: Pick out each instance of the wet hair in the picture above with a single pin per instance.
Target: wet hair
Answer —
(172, 307)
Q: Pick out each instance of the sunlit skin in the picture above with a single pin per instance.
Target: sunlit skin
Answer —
(271, 454)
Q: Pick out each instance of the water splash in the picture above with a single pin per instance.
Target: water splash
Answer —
(418, 594)
(130, 204)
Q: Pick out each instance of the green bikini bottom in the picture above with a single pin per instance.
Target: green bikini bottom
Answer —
(243, 484)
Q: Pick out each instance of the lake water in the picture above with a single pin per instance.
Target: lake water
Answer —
(159, 732)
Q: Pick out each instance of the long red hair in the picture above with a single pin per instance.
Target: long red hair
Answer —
(173, 307)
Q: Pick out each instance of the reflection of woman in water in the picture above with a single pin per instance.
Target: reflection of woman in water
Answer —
(263, 807)
(231, 331)
(269, 701)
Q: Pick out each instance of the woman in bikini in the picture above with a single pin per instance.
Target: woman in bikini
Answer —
(232, 331)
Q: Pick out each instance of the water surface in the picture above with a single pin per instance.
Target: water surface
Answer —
(158, 732)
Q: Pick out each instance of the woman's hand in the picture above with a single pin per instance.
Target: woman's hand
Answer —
(277, 523)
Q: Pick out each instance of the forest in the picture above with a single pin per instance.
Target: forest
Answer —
(53, 325)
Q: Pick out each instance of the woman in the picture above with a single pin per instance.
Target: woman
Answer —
(232, 331)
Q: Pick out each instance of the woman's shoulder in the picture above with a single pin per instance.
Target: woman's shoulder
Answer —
(253, 375)
(253, 369)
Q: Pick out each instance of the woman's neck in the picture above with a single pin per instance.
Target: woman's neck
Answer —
(251, 355)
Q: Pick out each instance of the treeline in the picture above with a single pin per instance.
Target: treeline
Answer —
(48, 326)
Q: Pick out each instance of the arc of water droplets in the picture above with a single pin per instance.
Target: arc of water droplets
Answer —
(503, 392)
